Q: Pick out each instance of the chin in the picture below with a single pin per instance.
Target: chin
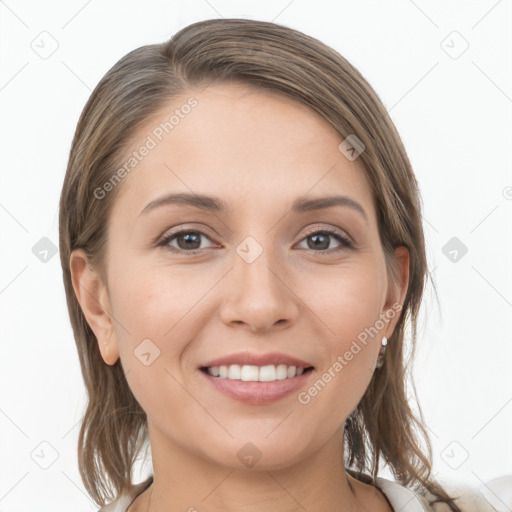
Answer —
(258, 455)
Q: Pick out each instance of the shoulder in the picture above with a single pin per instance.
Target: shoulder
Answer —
(467, 498)
(121, 503)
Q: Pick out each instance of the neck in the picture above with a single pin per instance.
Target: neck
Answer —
(185, 481)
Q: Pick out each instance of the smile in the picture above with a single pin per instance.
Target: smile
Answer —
(252, 373)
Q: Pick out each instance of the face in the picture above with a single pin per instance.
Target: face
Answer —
(188, 285)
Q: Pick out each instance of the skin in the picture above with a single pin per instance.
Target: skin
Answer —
(258, 152)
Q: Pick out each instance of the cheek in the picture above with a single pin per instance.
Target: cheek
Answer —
(158, 312)
(348, 300)
(155, 319)
(349, 306)
(348, 356)
(151, 303)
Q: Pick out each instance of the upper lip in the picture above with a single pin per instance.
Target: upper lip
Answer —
(251, 358)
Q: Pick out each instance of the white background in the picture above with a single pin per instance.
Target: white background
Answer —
(454, 116)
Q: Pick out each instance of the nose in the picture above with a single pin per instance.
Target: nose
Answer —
(259, 295)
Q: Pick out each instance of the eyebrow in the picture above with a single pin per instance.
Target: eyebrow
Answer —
(214, 204)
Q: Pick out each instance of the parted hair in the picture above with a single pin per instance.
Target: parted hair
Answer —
(278, 59)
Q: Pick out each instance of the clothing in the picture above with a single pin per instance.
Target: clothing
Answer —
(401, 498)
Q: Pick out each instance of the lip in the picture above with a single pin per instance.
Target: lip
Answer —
(255, 392)
(252, 358)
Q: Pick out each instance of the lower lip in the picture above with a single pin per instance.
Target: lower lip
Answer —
(255, 392)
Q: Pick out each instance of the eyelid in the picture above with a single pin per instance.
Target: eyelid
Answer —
(331, 230)
(181, 227)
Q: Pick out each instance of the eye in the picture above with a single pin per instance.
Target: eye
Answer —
(186, 239)
(321, 241)
(189, 241)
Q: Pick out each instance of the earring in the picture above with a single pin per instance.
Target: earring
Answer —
(382, 351)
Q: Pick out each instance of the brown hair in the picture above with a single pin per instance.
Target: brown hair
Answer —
(282, 60)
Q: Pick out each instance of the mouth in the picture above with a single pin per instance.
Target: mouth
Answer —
(257, 385)
(253, 373)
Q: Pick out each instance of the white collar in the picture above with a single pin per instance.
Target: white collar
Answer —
(400, 497)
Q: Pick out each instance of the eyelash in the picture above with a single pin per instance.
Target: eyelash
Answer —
(346, 243)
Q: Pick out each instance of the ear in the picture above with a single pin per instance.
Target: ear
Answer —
(92, 294)
(397, 291)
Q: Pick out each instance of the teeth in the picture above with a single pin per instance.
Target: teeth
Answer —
(252, 373)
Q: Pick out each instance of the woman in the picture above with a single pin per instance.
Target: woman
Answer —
(264, 365)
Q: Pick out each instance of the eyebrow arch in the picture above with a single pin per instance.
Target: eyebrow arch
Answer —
(214, 204)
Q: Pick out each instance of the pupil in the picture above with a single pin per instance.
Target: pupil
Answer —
(190, 237)
(316, 245)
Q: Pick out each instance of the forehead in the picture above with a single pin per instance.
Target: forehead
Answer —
(246, 145)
